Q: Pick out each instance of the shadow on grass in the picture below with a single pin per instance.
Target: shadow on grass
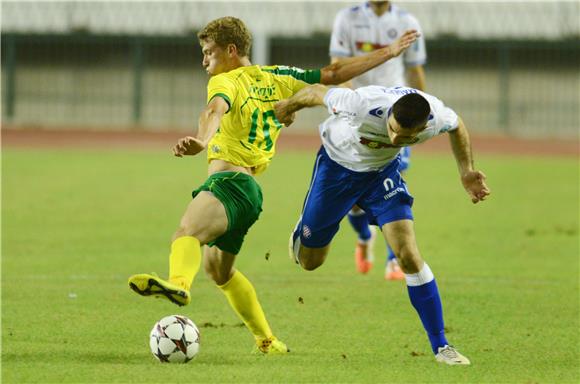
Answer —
(101, 357)
(73, 356)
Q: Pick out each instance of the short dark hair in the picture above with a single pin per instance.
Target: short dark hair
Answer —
(228, 30)
(411, 110)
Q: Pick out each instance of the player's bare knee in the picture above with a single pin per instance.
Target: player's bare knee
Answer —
(310, 259)
(204, 236)
(310, 264)
(179, 233)
(409, 259)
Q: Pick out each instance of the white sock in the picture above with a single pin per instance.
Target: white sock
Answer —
(422, 277)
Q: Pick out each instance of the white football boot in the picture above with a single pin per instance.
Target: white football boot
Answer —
(449, 355)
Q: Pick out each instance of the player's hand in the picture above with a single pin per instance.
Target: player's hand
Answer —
(404, 42)
(474, 184)
(188, 146)
(281, 111)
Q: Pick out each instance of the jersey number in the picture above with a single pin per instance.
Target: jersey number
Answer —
(267, 116)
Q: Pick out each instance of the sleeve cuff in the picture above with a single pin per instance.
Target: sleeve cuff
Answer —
(223, 96)
(325, 100)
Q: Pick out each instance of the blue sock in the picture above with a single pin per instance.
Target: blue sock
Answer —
(425, 298)
(360, 224)
(391, 253)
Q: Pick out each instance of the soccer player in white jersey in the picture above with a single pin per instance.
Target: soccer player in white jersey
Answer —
(358, 164)
(357, 31)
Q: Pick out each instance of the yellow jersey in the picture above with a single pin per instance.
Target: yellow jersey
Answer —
(248, 131)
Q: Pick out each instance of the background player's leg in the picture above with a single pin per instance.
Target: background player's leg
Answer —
(392, 269)
(359, 222)
(363, 253)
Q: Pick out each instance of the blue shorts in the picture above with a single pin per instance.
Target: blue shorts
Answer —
(383, 195)
(405, 159)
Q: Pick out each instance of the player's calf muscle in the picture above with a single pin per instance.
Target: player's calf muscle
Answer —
(218, 265)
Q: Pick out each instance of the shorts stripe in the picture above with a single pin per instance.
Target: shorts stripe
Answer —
(312, 181)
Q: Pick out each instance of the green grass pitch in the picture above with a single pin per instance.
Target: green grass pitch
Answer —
(76, 224)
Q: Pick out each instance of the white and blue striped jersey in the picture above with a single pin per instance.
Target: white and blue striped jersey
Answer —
(355, 135)
(358, 31)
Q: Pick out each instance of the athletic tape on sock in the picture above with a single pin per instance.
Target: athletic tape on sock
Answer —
(422, 277)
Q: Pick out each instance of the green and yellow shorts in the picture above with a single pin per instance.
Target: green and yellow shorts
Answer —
(242, 199)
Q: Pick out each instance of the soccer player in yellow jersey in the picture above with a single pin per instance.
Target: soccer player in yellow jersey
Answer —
(239, 130)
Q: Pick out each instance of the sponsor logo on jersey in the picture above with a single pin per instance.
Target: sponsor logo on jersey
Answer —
(373, 144)
(343, 114)
(266, 92)
(365, 46)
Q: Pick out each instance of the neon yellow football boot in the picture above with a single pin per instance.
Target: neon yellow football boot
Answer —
(271, 346)
(152, 285)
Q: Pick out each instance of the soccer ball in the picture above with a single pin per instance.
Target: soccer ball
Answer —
(174, 339)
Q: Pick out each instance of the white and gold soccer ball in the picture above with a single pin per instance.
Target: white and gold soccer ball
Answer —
(174, 339)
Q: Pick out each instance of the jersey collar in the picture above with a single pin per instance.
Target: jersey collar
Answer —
(367, 9)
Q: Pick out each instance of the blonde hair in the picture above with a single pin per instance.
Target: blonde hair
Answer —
(228, 30)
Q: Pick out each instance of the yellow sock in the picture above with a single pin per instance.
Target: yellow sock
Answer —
(184, 261)
(243, 299)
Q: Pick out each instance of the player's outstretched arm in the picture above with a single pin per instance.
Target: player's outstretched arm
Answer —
(345, 69)
(310, 96)
(346, 84)
(473, 181)
(208, 124)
